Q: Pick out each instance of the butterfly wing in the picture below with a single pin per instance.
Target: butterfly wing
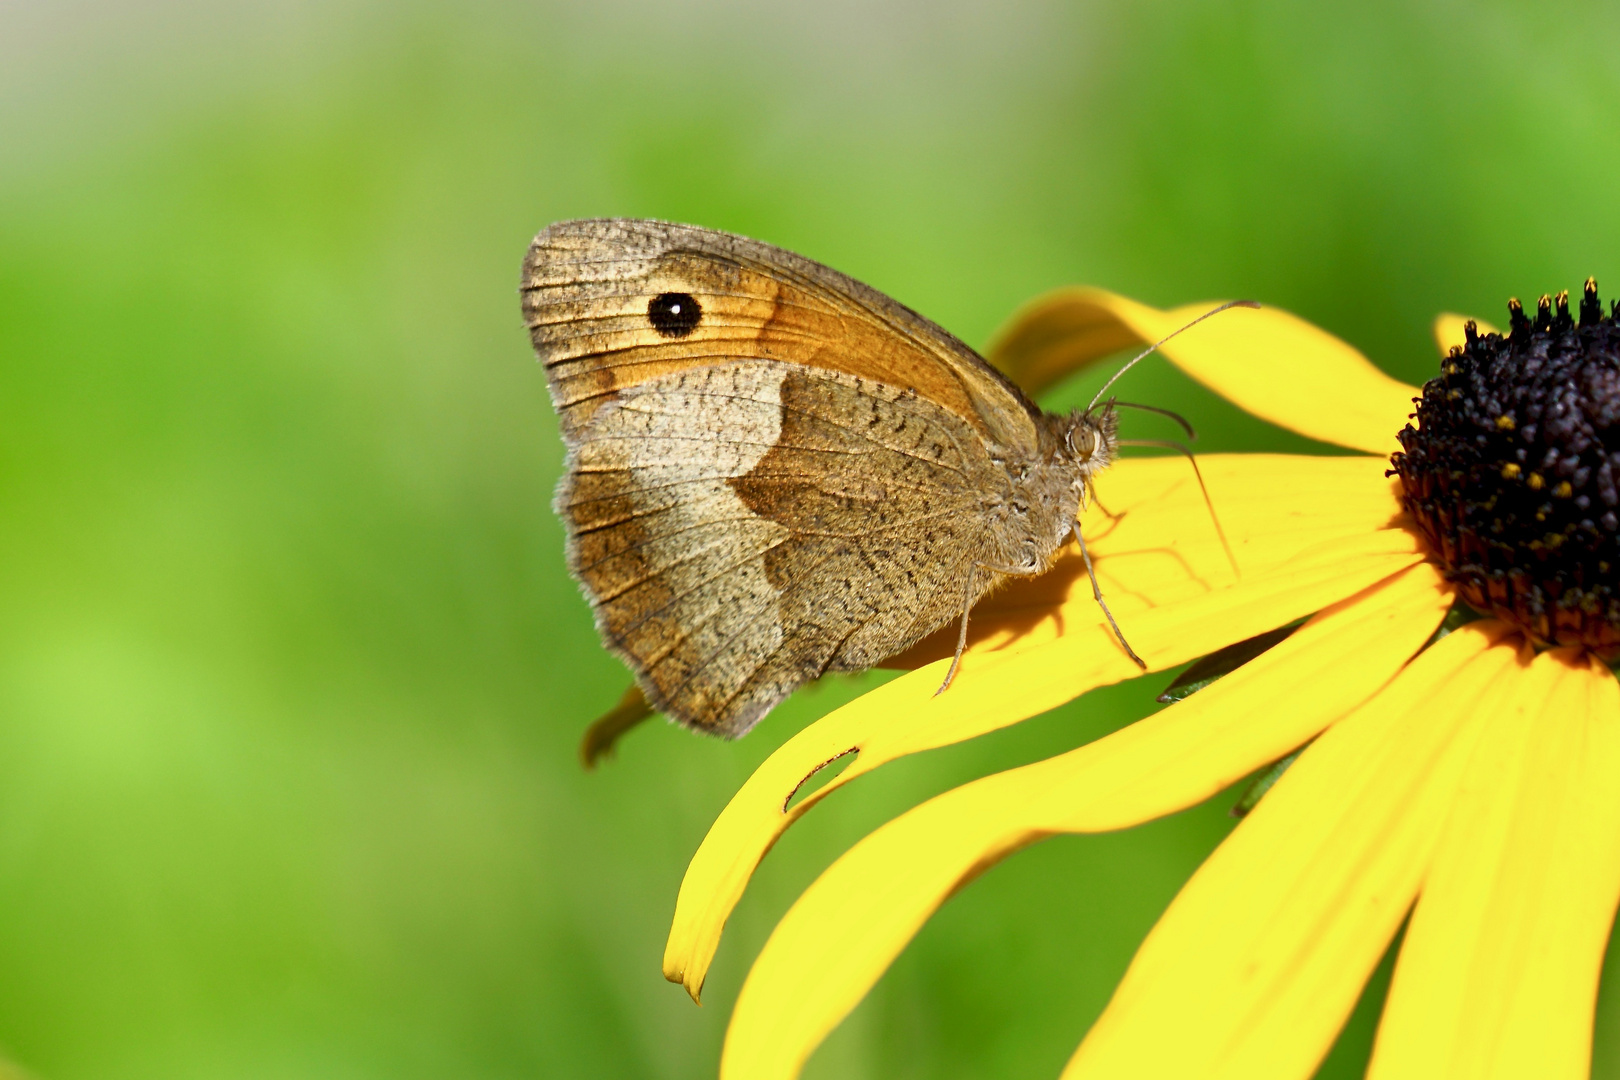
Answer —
(614, 303)
(743, 528)
(774, 470)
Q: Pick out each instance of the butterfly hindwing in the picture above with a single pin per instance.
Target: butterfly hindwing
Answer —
(744, 527)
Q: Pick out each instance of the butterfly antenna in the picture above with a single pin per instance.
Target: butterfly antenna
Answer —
(1180, 449)
(1145, 353)
(1177, 417)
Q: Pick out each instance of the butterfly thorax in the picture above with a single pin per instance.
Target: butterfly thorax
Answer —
(1034, 513)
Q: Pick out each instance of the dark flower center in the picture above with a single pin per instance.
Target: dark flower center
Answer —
(1512, 472)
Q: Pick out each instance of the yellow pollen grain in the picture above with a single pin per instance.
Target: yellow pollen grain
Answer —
(1563, 490)
(1536, 482)
(1511, 471)
(1453, 395)
(1505, 423)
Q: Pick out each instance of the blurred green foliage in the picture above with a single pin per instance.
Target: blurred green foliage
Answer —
(291, 675)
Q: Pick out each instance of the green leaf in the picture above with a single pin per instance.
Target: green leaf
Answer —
(1223, 662)
(1262, 783)
(1458, 617)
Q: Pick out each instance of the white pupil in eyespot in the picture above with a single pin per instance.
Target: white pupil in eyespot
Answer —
(674, 309)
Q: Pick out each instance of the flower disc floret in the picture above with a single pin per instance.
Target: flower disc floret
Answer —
(1512, 472)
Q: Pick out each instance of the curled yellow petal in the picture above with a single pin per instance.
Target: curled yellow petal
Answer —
(605, 732)
(1054, 336)
(1270, 363)
(1449, 332)
(1498, 975)
(994, 689)
(1261, 957)
(846, 929)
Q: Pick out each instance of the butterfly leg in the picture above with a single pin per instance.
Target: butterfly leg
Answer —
(1096, 593)
(961, 636)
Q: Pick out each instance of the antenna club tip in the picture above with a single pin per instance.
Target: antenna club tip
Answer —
(1255, 304)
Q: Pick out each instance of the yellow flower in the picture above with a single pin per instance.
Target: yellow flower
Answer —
(1471, 783)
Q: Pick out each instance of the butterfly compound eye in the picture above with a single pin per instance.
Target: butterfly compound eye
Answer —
(674, 314)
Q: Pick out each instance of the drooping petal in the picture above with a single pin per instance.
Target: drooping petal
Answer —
(994, 689)
(1259, 960)
(1498, 975)
(848, 926)
(1448, 330)
(1270, 363)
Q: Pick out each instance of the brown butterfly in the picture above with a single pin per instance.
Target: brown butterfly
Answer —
(775, 471)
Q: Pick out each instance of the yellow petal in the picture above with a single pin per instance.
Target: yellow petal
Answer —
(1448, 330)
(1157, 550)
(1155, 544)
(1058, 334)
(1498, 975)
(848, 926)
(1259, 960)
(992, 690)
(1270, 363)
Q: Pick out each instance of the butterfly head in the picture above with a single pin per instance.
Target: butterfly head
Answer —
(1086, 441)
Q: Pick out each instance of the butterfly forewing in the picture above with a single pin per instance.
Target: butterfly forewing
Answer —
(590, 290)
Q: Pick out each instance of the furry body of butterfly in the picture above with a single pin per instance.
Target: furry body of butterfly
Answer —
(775, 471)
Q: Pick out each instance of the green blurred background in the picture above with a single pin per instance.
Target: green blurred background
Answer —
(291, 675)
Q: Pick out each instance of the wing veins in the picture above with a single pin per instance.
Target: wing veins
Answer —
(710, 658)
(742, 442)
(682, 561)
(631, 403)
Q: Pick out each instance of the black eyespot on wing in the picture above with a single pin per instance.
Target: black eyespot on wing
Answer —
(674, 314)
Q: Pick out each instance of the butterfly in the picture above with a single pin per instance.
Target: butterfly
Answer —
(775, 471)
